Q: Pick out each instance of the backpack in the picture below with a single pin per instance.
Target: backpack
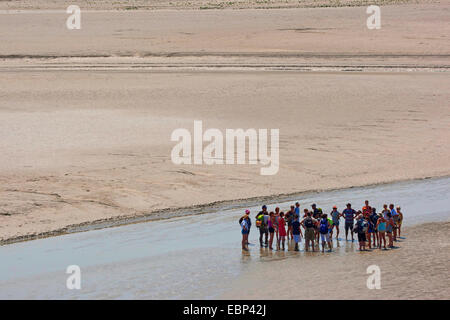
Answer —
(324, 226)
(362, 226)
(365, 226)
(309, 223)
(260, 221)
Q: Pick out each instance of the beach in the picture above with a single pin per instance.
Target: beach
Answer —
(87, 117)
(417, 270)
(198, 256)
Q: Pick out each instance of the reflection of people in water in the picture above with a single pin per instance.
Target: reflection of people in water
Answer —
(388, 222)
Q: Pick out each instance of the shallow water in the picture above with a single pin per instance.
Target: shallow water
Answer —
(191, 257)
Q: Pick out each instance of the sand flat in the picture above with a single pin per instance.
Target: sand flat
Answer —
(87, 117)
(417, 270)
(79, 146)
(334, 33)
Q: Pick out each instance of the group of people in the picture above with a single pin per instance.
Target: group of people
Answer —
(370, 226)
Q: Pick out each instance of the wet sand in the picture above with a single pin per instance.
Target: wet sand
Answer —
(199, 256)
(417, 269)
(87, 116)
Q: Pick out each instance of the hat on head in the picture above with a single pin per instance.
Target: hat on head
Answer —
(247, 211)
(334, 207)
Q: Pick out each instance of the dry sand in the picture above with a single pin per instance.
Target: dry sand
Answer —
(86, 116)
(417, 269)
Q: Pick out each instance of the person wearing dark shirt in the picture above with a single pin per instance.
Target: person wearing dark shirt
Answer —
(262, 219)
(316, 214)
(296, 231)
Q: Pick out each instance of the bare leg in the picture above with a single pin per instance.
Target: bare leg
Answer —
(244, 241)
(271, 241)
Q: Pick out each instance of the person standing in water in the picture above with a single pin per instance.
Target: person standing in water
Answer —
(361, 229)
(324, 228)
(290, 216)
(370, 231)
(308, 223)
(277, 215)
(374, 219)
(335, 216)
(400, 220)
(244, 231)
(381, 227)
(281, 231)
(385, 211)
(271, 224)
(389, 228)
(296, 231)
(366, 209)
(261, 222)
(394, 216)
(349, 215)
(316, 214)
(297, 208)
(249, 224)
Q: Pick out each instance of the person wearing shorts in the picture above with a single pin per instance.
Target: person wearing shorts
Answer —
(361, 232)
(381, 228)
(349, 215)
(395, 218)
(374, 218)
(324, 230)
(335, 216)
(308, 223)
(362, 239)
(244, 231)
(296, 231)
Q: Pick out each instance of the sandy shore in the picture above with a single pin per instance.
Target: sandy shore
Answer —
(417, 269)
(86, 121)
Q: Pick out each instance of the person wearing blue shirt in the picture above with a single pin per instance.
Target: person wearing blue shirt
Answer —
(349, 215)
(297, 209)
